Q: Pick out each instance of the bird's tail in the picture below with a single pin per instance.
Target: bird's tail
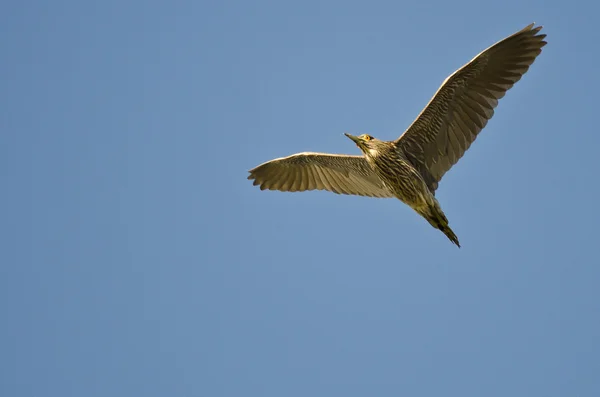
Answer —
(450, 234)
(435, 216)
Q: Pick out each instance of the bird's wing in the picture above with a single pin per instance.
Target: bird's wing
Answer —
(465, 102)
(341, 174)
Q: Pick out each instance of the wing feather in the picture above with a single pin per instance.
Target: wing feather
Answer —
(465, 102)
(342, 174)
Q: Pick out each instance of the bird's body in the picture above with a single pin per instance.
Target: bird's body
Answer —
(404, 181)
(398, 175)
(411, 167)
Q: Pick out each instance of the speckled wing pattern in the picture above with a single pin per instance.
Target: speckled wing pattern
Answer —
(465, 102)
(341, 174)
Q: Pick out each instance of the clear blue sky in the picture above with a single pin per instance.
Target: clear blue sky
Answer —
(137, 260)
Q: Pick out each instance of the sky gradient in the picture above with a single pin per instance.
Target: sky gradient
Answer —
(137, 260)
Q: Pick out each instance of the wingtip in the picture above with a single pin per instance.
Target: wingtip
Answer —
(532, 27)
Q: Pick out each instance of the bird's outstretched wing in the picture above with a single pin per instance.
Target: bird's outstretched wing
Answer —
(341, 174)
(465, 102)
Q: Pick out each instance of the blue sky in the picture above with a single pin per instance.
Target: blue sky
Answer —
(137, 260)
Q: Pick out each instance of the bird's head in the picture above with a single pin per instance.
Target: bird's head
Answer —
(368, 144)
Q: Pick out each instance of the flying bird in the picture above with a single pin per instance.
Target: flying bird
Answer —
(411, 167)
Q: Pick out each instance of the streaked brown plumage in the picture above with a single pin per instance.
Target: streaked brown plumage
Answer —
(411, 167)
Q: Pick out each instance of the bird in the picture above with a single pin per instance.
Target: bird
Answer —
(411, 167)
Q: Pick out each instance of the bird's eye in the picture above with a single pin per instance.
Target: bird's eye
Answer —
(367, 137)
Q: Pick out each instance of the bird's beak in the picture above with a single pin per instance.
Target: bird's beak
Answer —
(356, 139)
